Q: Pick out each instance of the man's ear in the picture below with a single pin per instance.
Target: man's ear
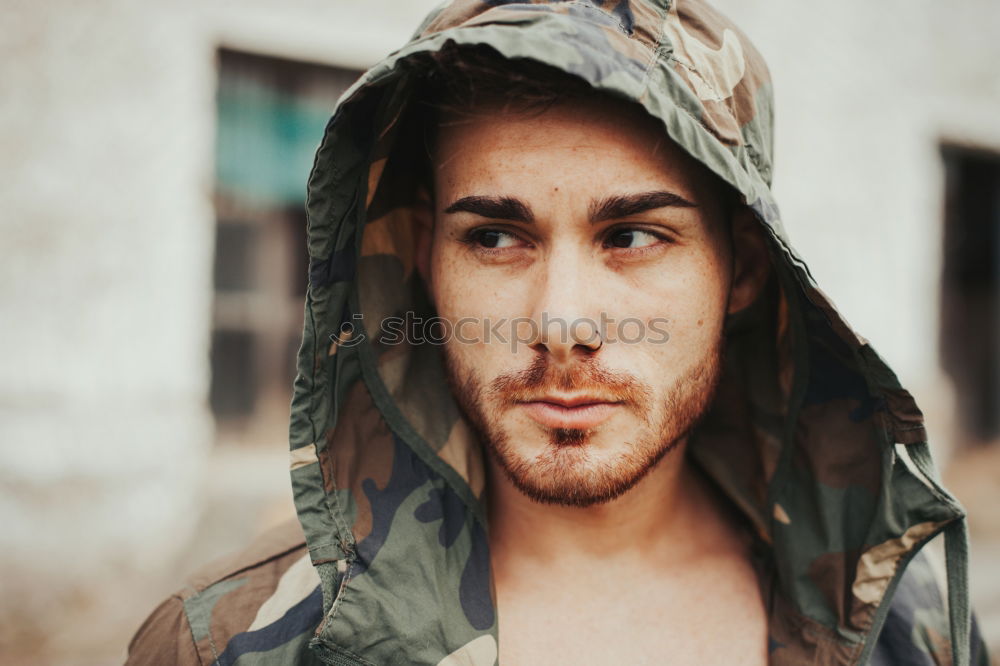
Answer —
(751, 263)
(423, 222)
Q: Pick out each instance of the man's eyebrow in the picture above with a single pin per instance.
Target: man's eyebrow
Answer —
(608, 208)
(624, 205)
(497, 208)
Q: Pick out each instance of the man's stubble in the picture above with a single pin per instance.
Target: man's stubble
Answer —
(565, 473)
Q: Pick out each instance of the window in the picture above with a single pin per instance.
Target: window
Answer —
(271, 115)
(970, 299)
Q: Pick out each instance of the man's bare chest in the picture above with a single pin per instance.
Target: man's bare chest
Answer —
(709, 615)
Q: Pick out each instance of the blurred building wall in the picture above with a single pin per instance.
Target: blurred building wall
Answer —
(107, 134)
(106, 249)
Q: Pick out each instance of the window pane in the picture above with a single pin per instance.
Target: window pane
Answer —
(235, 246)
(234, 375)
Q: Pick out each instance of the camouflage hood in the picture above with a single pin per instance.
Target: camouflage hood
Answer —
(811, 435)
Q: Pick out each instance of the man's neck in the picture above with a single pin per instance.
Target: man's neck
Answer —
(669, 514)
(657, 574)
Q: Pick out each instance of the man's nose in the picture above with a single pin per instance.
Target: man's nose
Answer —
(563, 314)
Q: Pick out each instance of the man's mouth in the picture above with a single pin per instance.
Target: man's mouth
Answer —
(580, 412)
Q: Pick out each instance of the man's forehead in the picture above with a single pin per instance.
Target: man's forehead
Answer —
(596, 128)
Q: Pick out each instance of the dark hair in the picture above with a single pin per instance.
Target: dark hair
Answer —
(460, 82)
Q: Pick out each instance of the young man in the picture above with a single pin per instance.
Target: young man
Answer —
(565, 394)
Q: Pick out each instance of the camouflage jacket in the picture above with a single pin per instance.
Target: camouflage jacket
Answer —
(811, 436)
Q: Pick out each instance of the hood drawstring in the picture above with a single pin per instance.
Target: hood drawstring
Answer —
(956, 553)
(956, 549)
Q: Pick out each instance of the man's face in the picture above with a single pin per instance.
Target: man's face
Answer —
(551, 223)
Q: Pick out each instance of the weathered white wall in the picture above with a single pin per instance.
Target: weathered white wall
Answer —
(107, 231)
(106, 244)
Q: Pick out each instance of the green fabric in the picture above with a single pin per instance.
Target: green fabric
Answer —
(389, 495)
(957, 558)
(199, 608)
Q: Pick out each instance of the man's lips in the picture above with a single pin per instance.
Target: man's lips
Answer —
(579, 412)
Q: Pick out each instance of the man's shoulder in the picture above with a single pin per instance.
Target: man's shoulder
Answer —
(261, 604)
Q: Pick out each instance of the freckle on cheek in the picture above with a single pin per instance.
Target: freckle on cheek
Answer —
(700, 322)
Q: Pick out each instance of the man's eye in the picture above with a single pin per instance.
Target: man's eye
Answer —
(494, 238)
(631, 238)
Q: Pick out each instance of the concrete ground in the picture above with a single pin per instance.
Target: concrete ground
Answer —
(249, 493)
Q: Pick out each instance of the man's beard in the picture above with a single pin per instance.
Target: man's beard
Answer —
(566, 473)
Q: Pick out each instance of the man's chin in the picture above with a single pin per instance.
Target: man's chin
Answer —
(570, 466)
(570, 471)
